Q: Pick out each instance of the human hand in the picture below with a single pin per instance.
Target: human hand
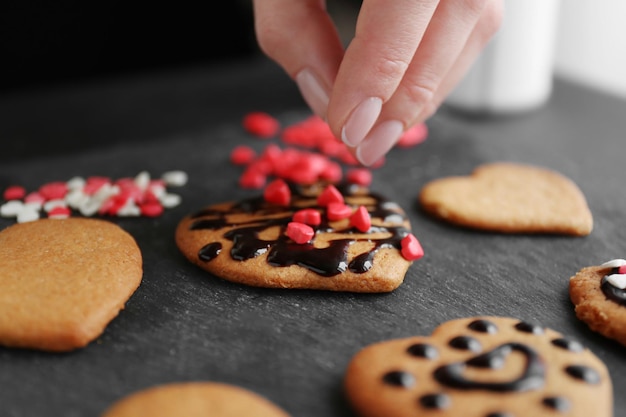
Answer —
(405, 58)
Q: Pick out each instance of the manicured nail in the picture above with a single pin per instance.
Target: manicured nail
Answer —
(313, 92)
(361, 121)
(379, 141)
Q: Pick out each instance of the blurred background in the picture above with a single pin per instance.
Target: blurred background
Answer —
(54, 43)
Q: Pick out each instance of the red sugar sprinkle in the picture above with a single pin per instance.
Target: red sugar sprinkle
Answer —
(338, 211)
(14, 192)
(261, 124)
(34, 197)
(361, 219)
(151, 209)
(299, 232)
(411, 248)
(277, 192)
(330, 195)
(59, 212)
(242, 155)
(359, 176)
(413, 136)
(621, 269)
(308, 216)
(252, 178)
(53, 190)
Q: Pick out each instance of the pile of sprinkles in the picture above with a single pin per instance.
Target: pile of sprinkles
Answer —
(311, 153)
(136, 196)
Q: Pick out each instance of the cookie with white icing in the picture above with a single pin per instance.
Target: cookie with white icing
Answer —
(479, 367)
(599, 297)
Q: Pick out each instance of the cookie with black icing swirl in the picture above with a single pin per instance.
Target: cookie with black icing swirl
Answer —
(479, 367)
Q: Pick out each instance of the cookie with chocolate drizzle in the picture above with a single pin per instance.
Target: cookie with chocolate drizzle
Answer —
(479, 367)
(246, 242)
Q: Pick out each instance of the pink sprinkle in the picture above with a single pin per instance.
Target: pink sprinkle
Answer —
(53, 190)
(411, 248)
(330, 195)
(361, 219)
(261, 124)
(359, 176)
(14, 192)
(308, 216)
(621, 269)
(242, 155)
(299, 232)
(151, 209)
(338, 211)
(413, 136)
(34, 197)
(59, 212)
(277, 192)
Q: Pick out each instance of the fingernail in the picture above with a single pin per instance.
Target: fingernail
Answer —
(361, 121)
(379, 141)
(313, 92)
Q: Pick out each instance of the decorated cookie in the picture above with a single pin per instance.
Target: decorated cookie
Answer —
(599, 297)
(63, 280)
(479, 367)
(316, 237)
(510, 198)
(194, 399)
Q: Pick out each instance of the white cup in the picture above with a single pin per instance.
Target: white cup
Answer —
(514, 72)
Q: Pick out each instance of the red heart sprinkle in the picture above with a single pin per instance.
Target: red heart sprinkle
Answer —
(308, 216)
(361, 219)
(330, 195)
(621, 269)
(277, 192)
(299, 232)
(411, 248)
(338, 211)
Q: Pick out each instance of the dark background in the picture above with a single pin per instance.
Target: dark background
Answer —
(45, 43)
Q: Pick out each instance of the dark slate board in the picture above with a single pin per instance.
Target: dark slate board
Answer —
(293, 346)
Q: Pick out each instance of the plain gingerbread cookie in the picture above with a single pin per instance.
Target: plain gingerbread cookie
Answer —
(599, 297)
(63, 280)
(479, 367)
(510, 197)
(246, 242)
(194, 399)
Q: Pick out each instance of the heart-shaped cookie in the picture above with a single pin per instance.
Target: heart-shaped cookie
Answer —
(63, 280)
(479, 367)
(250, 241)
(510, 198)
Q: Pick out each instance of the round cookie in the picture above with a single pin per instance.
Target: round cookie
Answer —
(599, 297)
(479, 367)
(194, 399)
(510, 198)
(246, 242)
(63, 281)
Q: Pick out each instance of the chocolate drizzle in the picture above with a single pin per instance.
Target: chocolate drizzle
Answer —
(328, 260)
(532, 377)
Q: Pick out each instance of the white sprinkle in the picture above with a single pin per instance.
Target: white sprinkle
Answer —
(170, 200)
(104, 192)
(142, 180)
(175, 178)
(11, 208)
(76, 198)
(617, 280)
(27, 215)
(157, 190)
(129, 209)
(51, 204)
(33, 205)
(615, 263)
(76, 183)
(89, 207)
